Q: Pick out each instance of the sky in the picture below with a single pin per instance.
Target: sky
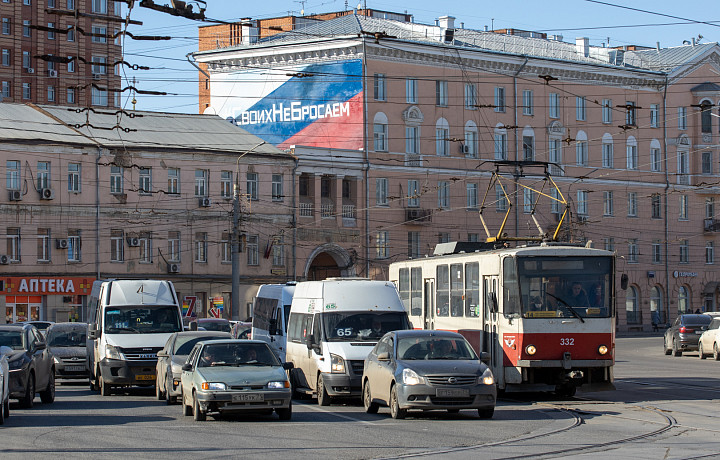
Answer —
(613, 22)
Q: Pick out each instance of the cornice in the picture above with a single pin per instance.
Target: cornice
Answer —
(284, 58)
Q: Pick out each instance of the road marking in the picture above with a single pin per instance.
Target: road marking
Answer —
(335, 414)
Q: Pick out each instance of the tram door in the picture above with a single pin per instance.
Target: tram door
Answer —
(490, 321)
(429, 304)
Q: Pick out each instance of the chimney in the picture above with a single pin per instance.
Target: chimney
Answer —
(658, 46)
(582, 44)
(249, 31)
(447, 28)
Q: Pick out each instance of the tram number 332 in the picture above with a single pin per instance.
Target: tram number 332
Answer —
(567, 341)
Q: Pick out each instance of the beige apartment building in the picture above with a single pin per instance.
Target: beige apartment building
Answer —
(95, 195)
(419, 116)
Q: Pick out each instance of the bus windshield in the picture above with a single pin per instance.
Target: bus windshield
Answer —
(366, 325)
(142, 320)
(561, 287)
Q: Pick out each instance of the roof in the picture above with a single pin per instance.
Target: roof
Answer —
(666, 59)
(111, 128)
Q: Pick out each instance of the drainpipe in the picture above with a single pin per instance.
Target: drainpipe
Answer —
(517, 152)
(667, 189)
(367, 162)
(294, 219)
(97, 213)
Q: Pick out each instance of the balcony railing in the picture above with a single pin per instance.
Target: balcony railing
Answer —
(306, 209)
(327, 211)
(348, 215)
(712, 225)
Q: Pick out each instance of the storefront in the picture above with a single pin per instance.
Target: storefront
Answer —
(56, 299)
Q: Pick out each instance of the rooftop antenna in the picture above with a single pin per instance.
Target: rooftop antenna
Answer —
(302, 4)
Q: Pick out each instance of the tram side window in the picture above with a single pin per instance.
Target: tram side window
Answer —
(472, 290)
(456, 289)
(442, 301)
(511, 293)
(404, 288)
(416, 291)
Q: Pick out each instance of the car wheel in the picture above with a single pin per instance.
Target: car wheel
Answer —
(27, 400)
(322, 395)
(47, 396)
(486, 413)
(2, 413)
(675, 350)
(370, 407)
(159, 394)
(668, 351)
(94, 385)
(105, 389)
(168, 386)
(198, 414)
(395, 410)
(716, 352)
(187, 410)
(285, 414)
(701, 352)
(7, 408)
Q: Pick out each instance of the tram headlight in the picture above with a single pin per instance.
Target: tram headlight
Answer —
(486, 378)
(602, 349)
(530, 350)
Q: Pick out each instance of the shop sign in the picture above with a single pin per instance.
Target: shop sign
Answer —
(677, 274)
(48, 286)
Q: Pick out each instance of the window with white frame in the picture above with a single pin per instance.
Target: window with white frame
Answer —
(580, 108)
(51, 33)
(633, 250)
(581, 149)
(555, 202)
(443, 194)
(252, 248)
(706, 162)
(381, 191)
(12, 174)
(253, 184)
(174, 181)
(413, 198)
(499, 99)
(26, 60)
(682, 118)
(117, 245)
(470, 96)
(608, 203)
(442, 138)
(174, 249)
(411, 90)
(70, 95)
(145, 248)
(278, 251)
(74, 177)
(608, 154)
(201, 182)
(471, 195)
(500, 144)
(6, 57)
(74, 251)
(145, 182)
(43, 245)
(632, 204)
(528, 200)
(6, 26)
(609, 244)
(630, 115)
(226, 184)
(225, 248)
(528, 146)
(98, 65)
(501, 202)
(654, 116)
(99, 34)
(413, 245)
(99, 97)
(554, 105)
(527, 102)
(379, 88)
(5, 89)
(201, 246)
(99, 6)
(582, 202)
(710, 208)
(382, 246)
(26, 91)
(380, 132)
(683, 213)
(655, 212)
(26, 28)
(116, 180)
(709, 252)
(412, 139)
(43, 174)
(631, 153)
(684, 251)
(277, 187)
(71, 33)
(607, 111)
(555, 156)
(656, 252)
(470, 146)
(655, 156)
(13, 244)
(441, 93)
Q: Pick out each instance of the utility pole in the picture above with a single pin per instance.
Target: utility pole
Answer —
(236, 234)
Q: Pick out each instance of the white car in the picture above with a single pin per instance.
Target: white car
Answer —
(4, 385)
(709, 342)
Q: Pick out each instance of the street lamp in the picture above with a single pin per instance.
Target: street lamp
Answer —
(235, 245)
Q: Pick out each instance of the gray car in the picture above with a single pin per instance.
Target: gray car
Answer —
(168, 369)
(684, 334)
(427, 370)
(67, 343)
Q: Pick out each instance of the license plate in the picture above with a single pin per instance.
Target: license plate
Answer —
(452, 393)
(248, 398)
(145, 377)
(699, 332)
(75, 368)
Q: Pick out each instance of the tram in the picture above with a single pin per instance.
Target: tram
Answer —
(544, 312)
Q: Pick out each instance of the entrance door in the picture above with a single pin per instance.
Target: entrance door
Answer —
(429, 305)
(490, 321)
(22, 308)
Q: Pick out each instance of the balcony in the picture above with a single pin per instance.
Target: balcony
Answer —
(348, 215)
(417, 216)
(306, 209)
(712, 225)
(327, 211)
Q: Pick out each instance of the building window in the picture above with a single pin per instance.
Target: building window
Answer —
(470, 146)
(527, 102)
(145, 248)
(581, 153)
(117, 246)
(632, 309)
(607, 111)
(6, 26)
(555, 157)
(116, 180)
(413, 245)
(500, 146)
(71, 4)
(201, 182)
(226, 184)
(609, 244)
(632, 250)
(707, 162)
(710, 208)
(382, 246)
(74, 177)
(499, 99)
(43, 174)
(380, 134)
(51, 33)
(253, 182)
(555, 202)
(683, 215)
(471, 195)
(413, 194)
(528, 200)
(51, 3)
(26, 92)
(442, 138)
(26, 28)
(225, 248)
(684, 251)
(655, 206)
(277, 187)
(278, 252)
(705, 117)
(201, 246)
(441, 93)
(607, 203)
(26, 62)
(554, 105)
(99, 65)
(71, 95)
(656, 252)
(99, 6)
(99, 34)
(501, 203)
(470, 96)
(655, 159)
(580, 108)
(13, 174)
(6, 57)
(145, 182)
(411, 91)
(582, 202)
(325, 186)
(51, 94)
(412, 139)
(74, 246)
(379, 83)
(13, 244)
(5, 89)
(443, 194)
(174, 181)
(174, 246)
(381, 191)
(99, 97)
(630, 113)
(632, 157)
(607, 155)
(252, 248)
(528, 146)
(43, 245)
(654, 115)
(682, 118)
(683, 159)
(710, 252)
(71, 34)
(683, 300)
(632, 204)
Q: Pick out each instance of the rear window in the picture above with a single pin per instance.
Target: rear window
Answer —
(697, 320)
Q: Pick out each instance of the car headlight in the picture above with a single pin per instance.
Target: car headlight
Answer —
(112, 352)
(486, 378)
(410, 377)
(15, 364)
(337, 364)
(531, 350)
(602, 349)
(213, 386)
(57, 361)
(278, 385)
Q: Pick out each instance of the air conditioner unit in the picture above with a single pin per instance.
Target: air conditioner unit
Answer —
(61, 243)
(52, 73)
(30, 70)
(205, 202)
(582, 219)
(4, 260)
(96, 76)
(15, 195)
(47, 194)
(133, 241)
(173, 268)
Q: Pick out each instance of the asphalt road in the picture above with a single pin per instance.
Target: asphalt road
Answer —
(665, 407)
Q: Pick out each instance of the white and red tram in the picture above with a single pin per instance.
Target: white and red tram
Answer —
(544, 313)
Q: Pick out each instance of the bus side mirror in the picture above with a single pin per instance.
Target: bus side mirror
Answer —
(624, 282)
(92, 331)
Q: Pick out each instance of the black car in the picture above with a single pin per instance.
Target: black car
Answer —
(31, 364)
(685, 333)
(67, 343)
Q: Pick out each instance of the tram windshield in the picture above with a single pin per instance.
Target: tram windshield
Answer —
(543, 287)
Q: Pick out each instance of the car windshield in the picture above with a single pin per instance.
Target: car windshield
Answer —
(66, 337)
(142, 319)
(432, 348)
(237, 354)
(216, 326)
(12, 339)
(367, 325)
(183, 344)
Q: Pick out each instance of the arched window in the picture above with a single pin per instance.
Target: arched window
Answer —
(500, 142)
(631, 306)
(683, 300)
(608, 153)
(657, 312)
(380, 132)
(706, 117)
(442, 138)
(581, 149)
(470, 147)
(632, 153)
(528, 144)
(655, 156)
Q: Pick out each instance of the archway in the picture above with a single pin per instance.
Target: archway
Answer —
(329, 260)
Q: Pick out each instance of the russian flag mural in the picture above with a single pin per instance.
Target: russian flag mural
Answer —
(318, 105)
